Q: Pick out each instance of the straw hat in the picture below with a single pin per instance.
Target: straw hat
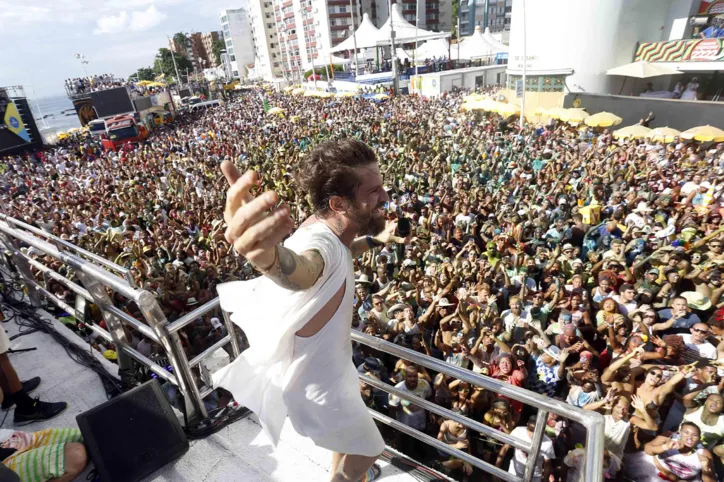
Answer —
(696, 300)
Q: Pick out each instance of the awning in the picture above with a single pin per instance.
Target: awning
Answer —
(695, 66)
(642, 70)
(432, 48)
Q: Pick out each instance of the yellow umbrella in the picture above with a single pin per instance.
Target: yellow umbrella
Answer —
(298, 91)
(474, 98)
(665, 134)
(276, 110)
(156, 84)
(507, 110)
(294, 118)
(346, 94)
(473, 105)
(381, 97)
(143, 82)
(603, 119)
(73, 130)
(541, 111)
(574, 116)
(555, 112)
(636, 131)
(288, 88)
(704, 134)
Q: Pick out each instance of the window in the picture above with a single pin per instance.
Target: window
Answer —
(267, 15)
(236, 73)
(224, 19)
(270, 25)
(232, 58)
(230, 51)
(276, 64)
(342, 9)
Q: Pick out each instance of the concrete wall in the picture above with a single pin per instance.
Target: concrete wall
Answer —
(678, 114)
(587, 36)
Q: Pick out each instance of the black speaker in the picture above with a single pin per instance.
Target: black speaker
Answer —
(133, 434)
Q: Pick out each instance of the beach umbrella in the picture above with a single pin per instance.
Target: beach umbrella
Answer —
(507, 110)
(346, 94)
(473, 105)
(541, 111)
(636, 131)
(381, 97)
(704, 134)
(665, 134)
(574, 116)
(288, 88)
(298, 91)
(603, 119)
(474, 98)
(276, 110)
(555, 112)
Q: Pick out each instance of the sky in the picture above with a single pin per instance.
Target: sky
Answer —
(41, 37)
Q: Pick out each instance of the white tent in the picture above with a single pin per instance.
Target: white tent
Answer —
(366, 37)
(477, 46)
(432, 48)
(493, 41)
(405, 32)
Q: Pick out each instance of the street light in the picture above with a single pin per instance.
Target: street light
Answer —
(83, 62)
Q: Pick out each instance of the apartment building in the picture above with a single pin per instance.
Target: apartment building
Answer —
(267, 53)
(239, 41)
(208, 39)
(472, 14)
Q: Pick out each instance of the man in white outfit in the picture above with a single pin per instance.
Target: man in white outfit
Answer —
(305, 369)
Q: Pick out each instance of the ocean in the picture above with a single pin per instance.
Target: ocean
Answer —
(53, 115)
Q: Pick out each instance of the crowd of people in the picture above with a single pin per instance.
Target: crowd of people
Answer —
(92, 83)
(554, 258)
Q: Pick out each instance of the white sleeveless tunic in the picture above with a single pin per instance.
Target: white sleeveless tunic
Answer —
(312, 380)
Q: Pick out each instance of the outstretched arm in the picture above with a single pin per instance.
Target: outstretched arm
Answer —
(256, 233)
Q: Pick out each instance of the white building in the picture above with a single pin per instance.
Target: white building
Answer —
(267, 53)
(570, 44)
(236, 26)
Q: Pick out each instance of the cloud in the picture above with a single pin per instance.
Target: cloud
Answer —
(143, 20)
(111, 24)
(137, 21)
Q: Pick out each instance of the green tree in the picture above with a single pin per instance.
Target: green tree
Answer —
(146, 73)
(180, 39)
(216, 47)
(164, 63)
(455, 13)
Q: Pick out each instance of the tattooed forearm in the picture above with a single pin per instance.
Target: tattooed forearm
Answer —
(294, 271)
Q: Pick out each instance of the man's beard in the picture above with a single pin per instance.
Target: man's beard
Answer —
(368, 222)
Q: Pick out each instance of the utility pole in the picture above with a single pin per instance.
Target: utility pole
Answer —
(525, 67)
(173, 58)
(395, 80)
(354, 39)
(417, 21)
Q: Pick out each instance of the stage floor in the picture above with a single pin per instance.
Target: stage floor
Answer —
(239, 452)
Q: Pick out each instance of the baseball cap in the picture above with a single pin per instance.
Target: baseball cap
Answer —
(653, 271)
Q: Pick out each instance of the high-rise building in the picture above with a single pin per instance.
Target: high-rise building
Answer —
(239, 41)
(192, 48)
(473, 13)
(435, 15)
(267, 60)
(208, 39)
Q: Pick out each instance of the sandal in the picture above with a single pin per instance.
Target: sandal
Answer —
(373, 473)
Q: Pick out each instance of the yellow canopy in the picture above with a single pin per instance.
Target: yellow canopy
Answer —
(636, 131)
(288, 88)
(573, 116)
(603, 119)
(555, 112)
(298, 91)
(704, 134)
(275, 110)
(143, 82)
(474, 98)
(541, 111)
(346, 94)
(381, 97)
(507, 110)
(665, 134)
(156, 84)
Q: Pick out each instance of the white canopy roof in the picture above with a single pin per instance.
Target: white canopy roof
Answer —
(432, 48)
(366, 35)
(479, 45)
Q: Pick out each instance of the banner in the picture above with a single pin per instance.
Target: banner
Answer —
(85, 111)
(711, 7)
(13, 122)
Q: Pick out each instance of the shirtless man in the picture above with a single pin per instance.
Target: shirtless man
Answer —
(313, 273)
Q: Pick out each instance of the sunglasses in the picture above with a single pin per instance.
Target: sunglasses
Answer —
(705, 332)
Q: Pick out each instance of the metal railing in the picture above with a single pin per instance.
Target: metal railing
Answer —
(95, 281)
